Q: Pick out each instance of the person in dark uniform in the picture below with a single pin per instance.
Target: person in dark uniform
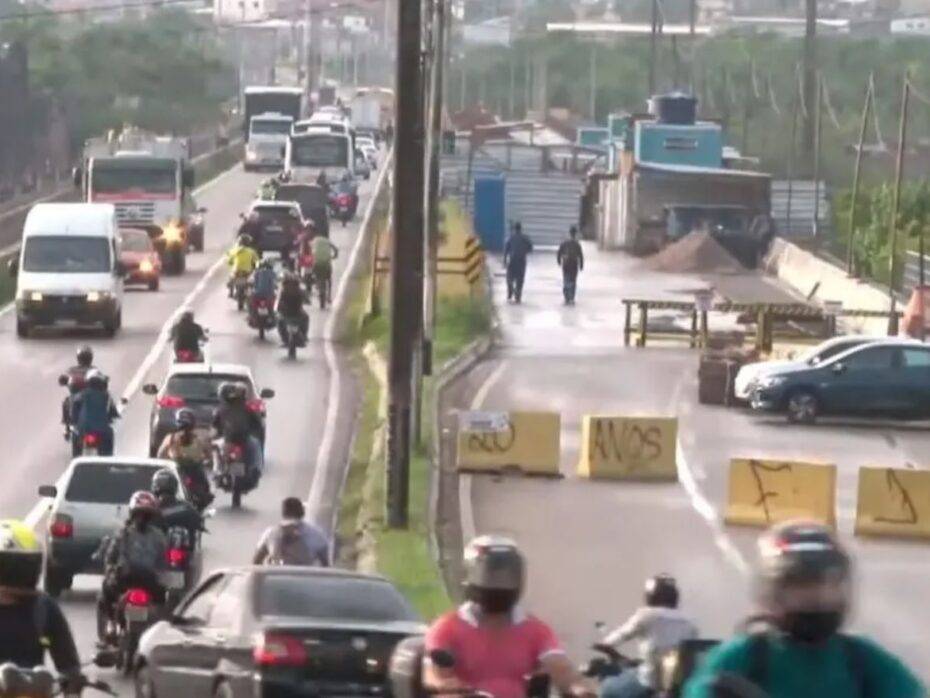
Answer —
(516, 250)
(571, 258)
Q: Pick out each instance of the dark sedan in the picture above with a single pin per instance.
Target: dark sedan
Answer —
(277, 632)
(886, 379)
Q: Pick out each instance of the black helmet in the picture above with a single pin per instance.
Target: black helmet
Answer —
(494, 573)
(96, 379)
(185, 418)
(231, 392)
(20, 556)
(164, 482)
(187, 316)
(85, 356)
(661, 590)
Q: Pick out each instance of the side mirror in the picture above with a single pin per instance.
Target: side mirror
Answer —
(839, 368)
(119, 269)
(77, 177)
(105, 659)
(63, 380)
(49, 491)
(187, 177)
(442, 659)
(150, 389)
(266, 393)
(13, 266)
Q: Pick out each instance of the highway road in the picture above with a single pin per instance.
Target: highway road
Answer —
(309, 417)
(598, 541)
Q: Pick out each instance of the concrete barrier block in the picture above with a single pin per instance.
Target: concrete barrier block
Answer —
(629, 448)
(763, 492)
(531, 445)
(893, 502)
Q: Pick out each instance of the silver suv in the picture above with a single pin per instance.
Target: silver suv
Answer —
(88, 503)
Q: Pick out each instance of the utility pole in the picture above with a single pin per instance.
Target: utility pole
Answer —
(407, 257)
(593, 105)
(810, 74)
(898, 173)
(855, 187)
(818, 133)
(653, 56)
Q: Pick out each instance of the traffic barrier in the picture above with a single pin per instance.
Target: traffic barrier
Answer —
(763, 492)
(530, 444)
(629, 448)
(893, 502)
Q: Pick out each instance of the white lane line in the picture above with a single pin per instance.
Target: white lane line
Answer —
(334, 398)
(38, 510)
(466, 510)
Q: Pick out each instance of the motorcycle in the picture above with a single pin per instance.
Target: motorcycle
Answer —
(293, 336)
(178, 576)
(240, 287)
(188, 356)
(261, 315)
(196, 484)
(39, 682)
(342, 208)
(136, 611)
(305, 270)
(231, 470)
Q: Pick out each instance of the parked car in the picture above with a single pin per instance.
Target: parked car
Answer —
(88, 504)
(140, 258)
(277, 631)
(890, 378)
(750, 373)
(196, 386)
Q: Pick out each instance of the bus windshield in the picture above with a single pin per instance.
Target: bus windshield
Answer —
(320, 150)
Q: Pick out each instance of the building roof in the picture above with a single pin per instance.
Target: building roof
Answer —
(80, 217)
(633, 28)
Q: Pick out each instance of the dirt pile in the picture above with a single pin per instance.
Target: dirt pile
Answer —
(696, 252)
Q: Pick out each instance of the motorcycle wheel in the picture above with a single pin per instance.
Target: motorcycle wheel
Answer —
(127, 651)
(240, 300)
(261, 332)
(292, 346)
(236, 495)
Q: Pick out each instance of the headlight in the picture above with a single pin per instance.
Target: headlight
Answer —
(34, 296)
(95, 296)
(770, 381)
(146, 266)
(250, 154)
(172, 232)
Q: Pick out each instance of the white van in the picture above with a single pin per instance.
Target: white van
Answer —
(68, 272)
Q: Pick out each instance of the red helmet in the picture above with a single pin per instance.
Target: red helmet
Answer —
(143, 502)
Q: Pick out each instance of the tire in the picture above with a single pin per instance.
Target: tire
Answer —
(128, 644)
(261, 332)
(236, 495)
(802, 407)
(22, 328)
(143, 685)
(240, 301)
(110, 327)
(223, 690)
(292, 347)
(154, 284)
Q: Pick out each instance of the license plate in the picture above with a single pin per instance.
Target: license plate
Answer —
(173, 579)
(88, 451)
(263, 312)
(237, 469)
(137, 613)
(66, 322)
(275, 229)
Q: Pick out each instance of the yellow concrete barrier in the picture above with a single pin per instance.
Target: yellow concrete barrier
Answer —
(893, 502)
(763, 492)
(531, 444)
(629, 448)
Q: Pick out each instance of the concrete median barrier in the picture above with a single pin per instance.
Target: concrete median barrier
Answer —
(893, 502)
(628, 448)
(763, 492)
(530, 444)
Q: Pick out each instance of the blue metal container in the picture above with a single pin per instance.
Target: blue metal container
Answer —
(490, 216)
(697, 145)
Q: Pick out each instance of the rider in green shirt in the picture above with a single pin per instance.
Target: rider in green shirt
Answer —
(804, 589)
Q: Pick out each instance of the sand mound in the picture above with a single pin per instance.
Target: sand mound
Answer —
(696, 252)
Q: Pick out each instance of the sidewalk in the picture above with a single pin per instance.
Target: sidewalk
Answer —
(591, 544)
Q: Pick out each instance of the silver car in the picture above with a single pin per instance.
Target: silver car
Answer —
(89, 502)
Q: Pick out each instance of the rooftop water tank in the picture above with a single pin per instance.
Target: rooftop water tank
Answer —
(674, 108)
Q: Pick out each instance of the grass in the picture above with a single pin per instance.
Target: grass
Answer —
(404, 556)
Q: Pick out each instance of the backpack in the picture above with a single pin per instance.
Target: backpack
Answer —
(759, 655)
(288, 547)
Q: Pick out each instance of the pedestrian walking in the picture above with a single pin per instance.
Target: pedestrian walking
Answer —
(515, 253)
(571, 258)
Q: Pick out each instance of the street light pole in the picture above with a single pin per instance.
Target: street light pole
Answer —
(406, 258)
(432, 197)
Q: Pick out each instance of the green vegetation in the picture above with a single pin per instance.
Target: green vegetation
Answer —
(402, 556)
(164, 72)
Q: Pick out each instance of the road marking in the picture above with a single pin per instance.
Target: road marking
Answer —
(334, 397)
(41, 507)
(466, 510)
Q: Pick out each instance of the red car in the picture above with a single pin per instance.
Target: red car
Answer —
(139, 257)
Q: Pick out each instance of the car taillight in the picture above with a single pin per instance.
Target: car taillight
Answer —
(343, 199)
(171, 402)
(138, 597)
(272, 649)
(185, 354)
(92, 439)
(256, 405)
(177, 556)
(234, 451)
(61, 526)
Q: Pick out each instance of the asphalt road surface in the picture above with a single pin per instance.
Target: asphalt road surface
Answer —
(300, 420)
(591, 544)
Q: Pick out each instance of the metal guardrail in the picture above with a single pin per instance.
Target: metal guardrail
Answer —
(765, 314)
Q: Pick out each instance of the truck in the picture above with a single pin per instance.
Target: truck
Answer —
(148, 178)
(372, 109)
(268, 134)
(271, 99)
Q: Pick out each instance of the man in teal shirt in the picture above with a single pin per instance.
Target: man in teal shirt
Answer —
(804, 590)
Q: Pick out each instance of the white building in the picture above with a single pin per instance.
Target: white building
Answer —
(233, 11)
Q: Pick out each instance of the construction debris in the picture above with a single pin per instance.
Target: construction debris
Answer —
(696, 252)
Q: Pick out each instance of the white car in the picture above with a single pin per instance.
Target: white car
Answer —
(750, 373)
(371, 153)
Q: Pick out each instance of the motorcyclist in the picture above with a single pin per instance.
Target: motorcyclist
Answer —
(242, 259)
(76, 376)
(251, 226)
(265, 281)
(660, 627)
(494, 643)
(291, 301)
(235, 423)
(32, 622)
(803, 585)
(173, 511)
(293, 541)
(189, 450)
(268, 188)
(93, 411)
(134, 557)
(324, 252)
(187, 335)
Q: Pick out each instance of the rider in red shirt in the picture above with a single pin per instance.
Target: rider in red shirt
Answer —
(494, 643)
